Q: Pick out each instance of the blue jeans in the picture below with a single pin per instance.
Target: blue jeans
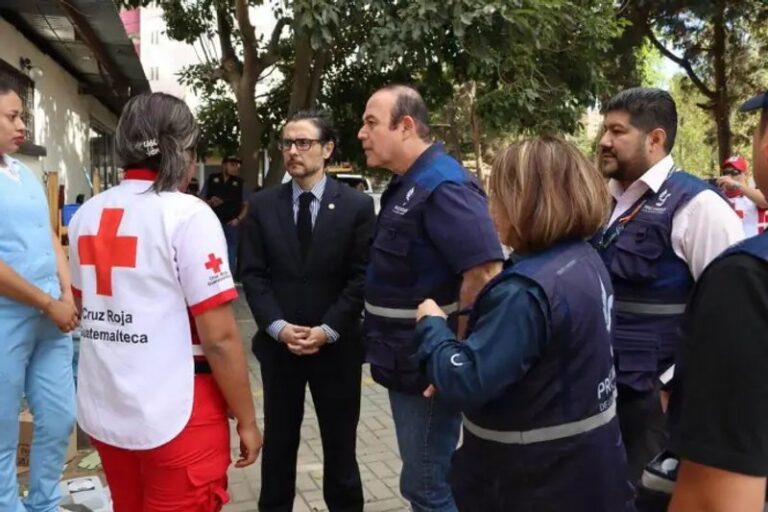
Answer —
(35, 360)
(232, 234)
(427, 435)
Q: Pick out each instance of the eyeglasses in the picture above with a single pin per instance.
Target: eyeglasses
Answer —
(731, 172)
(301, 144)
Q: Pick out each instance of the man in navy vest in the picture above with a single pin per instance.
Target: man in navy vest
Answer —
(665, 228)
(719, 407)
(434, 238)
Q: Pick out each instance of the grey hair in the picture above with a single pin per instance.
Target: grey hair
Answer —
(157, 131)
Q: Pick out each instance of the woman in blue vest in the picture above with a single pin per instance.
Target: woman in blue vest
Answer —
(534, 378)
(36, 310)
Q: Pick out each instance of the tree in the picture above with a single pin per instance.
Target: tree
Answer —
(533, 64)
(246, 59)
(720, 44)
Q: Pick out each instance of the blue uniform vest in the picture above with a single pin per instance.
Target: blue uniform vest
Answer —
(552, 441)
(651, 282)
(405, 268)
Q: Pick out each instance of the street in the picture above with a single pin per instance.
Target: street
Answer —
(376, 447)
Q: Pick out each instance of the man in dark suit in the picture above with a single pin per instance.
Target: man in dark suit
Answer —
(304, 258)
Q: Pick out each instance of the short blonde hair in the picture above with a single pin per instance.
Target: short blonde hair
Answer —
(544, 190)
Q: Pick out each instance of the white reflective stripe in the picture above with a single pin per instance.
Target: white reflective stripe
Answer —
(668, 375)
(540, 435)
(404, 314)
(197, 350)
(643, 308)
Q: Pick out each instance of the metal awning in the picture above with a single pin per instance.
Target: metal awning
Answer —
(87, 38)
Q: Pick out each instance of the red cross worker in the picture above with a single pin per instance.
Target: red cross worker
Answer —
(161, 359)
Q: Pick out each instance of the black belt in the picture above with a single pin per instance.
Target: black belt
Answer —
(202, 367)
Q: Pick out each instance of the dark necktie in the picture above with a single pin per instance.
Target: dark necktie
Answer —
(304, 223)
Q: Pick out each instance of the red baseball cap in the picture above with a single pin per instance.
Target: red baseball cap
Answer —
(736, 162)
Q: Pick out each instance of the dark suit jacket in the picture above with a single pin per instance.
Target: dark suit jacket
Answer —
(328, 287)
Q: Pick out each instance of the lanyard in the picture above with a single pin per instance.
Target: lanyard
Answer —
(613, 234)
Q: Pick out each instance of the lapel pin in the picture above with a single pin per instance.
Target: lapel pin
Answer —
(331, 206)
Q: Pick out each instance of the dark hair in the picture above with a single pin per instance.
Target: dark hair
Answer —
(7, 87)
(648, 108)
(323, 121)
(157, 131)
(408, 102)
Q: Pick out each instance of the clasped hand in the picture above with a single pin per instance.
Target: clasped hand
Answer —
(303, 341)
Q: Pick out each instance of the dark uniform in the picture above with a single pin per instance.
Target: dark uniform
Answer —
(536, 384)
(230, 191)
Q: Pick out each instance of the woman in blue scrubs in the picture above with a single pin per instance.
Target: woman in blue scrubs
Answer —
(37, 311)
(534, 379)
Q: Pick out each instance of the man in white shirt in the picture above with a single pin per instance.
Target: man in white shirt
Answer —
(665, 228)
(748, 202)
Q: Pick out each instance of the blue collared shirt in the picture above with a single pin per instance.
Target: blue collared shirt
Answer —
(314, 207)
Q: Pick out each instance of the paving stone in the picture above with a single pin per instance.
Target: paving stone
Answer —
(376, 449)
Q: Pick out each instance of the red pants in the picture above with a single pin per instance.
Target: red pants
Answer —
(187, 474)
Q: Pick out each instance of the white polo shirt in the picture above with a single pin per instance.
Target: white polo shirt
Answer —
(143, 264)
(752, 216)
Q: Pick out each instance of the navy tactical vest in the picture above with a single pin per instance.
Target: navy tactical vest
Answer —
(552, 441)
(652, 283)
(405, 268)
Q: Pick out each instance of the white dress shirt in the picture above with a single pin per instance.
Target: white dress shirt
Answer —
(701, 229)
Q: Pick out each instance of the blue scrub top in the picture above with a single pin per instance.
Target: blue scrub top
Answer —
(26, 243)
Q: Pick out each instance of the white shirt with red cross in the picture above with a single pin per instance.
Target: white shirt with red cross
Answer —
(144, 264)
(752, 216)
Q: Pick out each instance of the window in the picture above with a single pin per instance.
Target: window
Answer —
(102, 142)
(154, 73)
(26, 88)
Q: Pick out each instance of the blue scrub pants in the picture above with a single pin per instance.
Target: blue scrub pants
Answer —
(36, 361)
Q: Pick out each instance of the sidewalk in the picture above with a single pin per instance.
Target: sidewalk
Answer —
(376, 447)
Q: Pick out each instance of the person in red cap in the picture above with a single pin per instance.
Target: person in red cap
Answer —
(748, 202)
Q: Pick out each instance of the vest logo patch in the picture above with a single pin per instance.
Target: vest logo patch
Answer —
(663, 198)
(607, 306)
(409, 195)
(215, 180)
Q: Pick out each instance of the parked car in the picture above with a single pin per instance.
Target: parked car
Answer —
(362, 184)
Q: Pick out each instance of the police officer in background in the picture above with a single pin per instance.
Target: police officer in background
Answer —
(434, 238)
(224, 192)
(665, 228)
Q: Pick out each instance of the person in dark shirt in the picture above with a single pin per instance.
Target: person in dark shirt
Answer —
(719, 406)
(224, 192)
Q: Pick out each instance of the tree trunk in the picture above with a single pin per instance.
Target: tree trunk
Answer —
(721, 102)
(475, 121)
(307, 74)
(251, 129)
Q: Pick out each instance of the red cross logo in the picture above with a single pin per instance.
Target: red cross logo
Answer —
(214, 263)
(106, 250)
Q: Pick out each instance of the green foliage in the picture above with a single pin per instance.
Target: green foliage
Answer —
(695, 145)
(537, 63)
(219, 127)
